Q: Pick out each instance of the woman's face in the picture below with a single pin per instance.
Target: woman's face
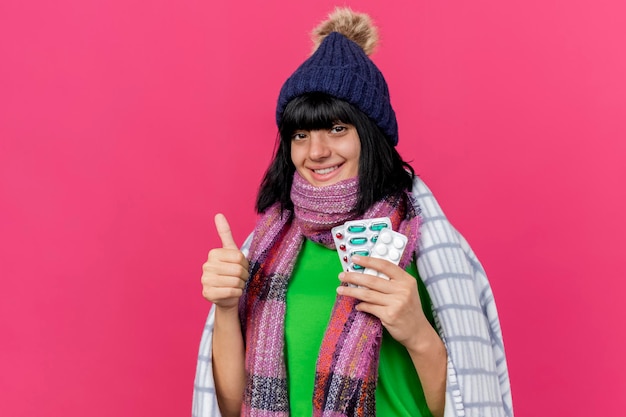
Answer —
(325, 157)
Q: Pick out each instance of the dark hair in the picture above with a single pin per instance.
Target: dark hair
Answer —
(381, 168)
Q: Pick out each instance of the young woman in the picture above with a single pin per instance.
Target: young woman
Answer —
(284, 337)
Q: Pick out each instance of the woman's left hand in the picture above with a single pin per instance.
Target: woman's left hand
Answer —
(395, 302)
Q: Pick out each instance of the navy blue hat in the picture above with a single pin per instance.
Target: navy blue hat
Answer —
(341, 68)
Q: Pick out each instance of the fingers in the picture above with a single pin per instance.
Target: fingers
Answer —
(224, 297)
(398, 281)
(223, 230)
(226, 262)
(222, 281)
(370, 288)
(231, 256)
(361, 292)
(217, 294)
(393, 271)
(361, 281)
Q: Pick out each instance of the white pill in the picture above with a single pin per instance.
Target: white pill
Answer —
(385, 238)
(394, 255)
(381, 250)
(398, 243)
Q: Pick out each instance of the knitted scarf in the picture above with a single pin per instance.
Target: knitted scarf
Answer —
(347, 365)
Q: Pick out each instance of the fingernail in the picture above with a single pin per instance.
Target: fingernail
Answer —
(342, 275)
(340, 290)
(356, 258)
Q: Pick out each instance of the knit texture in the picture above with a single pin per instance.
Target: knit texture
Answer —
(340, 68)
(347, 366)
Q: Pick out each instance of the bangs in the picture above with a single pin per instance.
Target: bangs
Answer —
(315, 111)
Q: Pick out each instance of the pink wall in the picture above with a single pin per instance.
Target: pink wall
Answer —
(126, 125)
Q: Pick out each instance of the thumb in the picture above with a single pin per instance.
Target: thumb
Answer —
(223, 230)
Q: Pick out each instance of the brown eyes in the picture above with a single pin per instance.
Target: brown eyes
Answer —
(301, 135)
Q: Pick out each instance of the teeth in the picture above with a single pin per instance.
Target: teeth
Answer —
(325, 170)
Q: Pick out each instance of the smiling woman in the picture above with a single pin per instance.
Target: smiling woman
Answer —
(290, 332)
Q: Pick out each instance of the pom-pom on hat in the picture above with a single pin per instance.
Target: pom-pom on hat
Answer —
(340, 66)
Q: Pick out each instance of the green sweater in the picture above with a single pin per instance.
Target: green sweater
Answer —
(310, 298)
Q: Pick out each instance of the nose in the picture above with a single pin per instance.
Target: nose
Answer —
(318, 148)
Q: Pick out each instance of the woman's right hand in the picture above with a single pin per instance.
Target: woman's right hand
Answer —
(223, 277)
(225, 272)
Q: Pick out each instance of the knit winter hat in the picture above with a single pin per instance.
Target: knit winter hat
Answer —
(341, 67)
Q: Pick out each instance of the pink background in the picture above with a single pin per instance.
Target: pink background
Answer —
(126, 125)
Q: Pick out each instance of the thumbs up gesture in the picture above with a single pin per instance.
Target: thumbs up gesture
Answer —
(225, 271)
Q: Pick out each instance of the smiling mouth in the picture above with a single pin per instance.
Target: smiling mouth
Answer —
(325, 171)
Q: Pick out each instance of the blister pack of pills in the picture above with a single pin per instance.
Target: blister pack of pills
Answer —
(358, 237)
(368, 237)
